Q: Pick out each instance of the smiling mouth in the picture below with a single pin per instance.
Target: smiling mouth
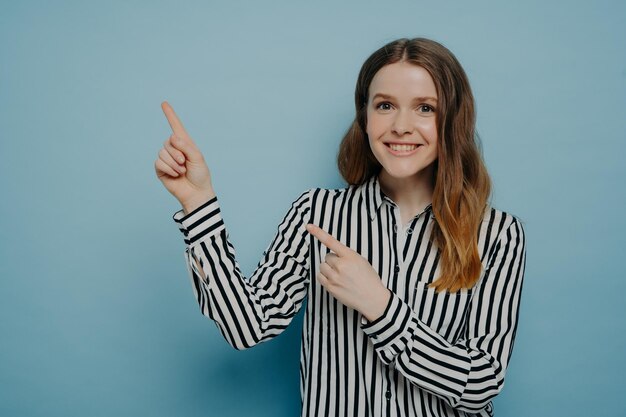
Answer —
(402, 148)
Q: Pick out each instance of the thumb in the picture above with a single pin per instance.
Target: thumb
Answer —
(187, 147)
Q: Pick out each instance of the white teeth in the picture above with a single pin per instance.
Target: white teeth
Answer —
(402, 147)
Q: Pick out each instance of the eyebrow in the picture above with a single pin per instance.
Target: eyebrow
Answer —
(387, 97)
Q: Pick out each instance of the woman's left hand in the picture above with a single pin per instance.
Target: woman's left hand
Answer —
(350, 278)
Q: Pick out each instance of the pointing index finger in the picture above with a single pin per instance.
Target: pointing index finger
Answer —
(327, 239)
(173, 120)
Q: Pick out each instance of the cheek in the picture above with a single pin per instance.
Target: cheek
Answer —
(374, 126)
(428, 128)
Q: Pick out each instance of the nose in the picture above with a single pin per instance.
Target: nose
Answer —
(402, 123)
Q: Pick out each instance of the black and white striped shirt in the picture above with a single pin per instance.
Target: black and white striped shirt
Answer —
(428, 354)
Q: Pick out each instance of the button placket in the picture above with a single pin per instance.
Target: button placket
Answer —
(391, 372)
(400, 241)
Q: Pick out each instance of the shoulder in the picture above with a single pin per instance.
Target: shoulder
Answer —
(312, 196)
(320, 193)
(498, 224)
(492, 214)
(324, 200)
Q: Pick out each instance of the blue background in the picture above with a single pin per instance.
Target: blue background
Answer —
(97, 315)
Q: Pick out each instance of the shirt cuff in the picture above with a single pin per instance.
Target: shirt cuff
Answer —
(391, 331)
(202, 222)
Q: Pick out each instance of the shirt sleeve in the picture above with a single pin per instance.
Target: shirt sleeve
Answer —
(247, 311)
(469, 373)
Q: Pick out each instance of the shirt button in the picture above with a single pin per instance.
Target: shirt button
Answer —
(409, 231)
(395, 228)
(388, 395)
(397, 269)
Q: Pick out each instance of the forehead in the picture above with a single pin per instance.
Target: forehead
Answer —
(403, 79)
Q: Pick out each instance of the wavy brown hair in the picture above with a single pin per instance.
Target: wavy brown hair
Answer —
(461, 182)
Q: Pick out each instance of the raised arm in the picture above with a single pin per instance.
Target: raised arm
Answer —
(246, 311)
(469, 373)
(251, 311)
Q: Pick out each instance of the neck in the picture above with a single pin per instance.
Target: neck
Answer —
(411, 193)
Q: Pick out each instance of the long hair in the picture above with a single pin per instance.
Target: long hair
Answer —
(461, 182)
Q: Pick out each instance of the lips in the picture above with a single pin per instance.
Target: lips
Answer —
(403, 153)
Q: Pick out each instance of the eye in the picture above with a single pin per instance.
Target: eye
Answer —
(383, 105)
(430, 108)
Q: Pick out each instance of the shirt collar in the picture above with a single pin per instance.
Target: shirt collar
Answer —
(375, 197)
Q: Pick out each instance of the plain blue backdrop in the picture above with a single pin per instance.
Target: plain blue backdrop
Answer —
(97, 314)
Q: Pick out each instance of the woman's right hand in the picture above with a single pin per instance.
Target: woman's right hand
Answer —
(181, 167)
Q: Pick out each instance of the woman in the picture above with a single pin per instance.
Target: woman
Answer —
(413, 280)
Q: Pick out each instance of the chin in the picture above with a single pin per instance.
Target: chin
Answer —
(407, 172)
(402, 175)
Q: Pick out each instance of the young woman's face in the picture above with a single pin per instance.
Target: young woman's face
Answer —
(401, 110)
